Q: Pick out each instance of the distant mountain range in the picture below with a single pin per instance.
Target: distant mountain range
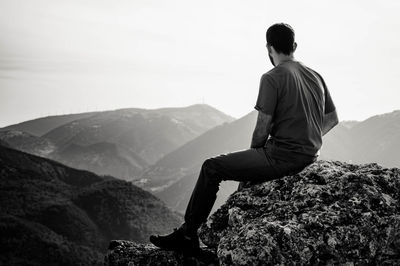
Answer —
(40, 126)
(51, 214)
(27, 142)
(120, 143)
(376, 139)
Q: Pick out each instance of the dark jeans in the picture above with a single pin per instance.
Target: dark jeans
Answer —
(254, 165)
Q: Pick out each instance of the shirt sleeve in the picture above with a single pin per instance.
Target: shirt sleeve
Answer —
(267, 95)
(329, 105)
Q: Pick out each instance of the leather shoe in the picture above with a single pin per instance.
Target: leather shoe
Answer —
(177, 241)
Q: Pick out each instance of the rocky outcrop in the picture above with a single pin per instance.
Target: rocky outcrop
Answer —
(130, 253)
(330, 213)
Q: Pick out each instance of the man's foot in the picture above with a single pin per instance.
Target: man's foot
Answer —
(177, 241)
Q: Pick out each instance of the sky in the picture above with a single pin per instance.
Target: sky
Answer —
(69, 56)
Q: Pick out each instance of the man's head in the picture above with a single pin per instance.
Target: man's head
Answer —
(280, 41)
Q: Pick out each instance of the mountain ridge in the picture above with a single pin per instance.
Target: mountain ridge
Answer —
(141, 136)
(55, 214)
(42, 125)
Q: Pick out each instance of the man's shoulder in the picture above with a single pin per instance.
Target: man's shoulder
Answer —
(312, 70)
(317, 75)
(275, 71)
(274, 74)
(284, 69)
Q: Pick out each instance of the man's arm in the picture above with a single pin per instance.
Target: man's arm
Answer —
(330, 120)
(262, 130)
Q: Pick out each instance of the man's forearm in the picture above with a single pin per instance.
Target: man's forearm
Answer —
(330, 120)
(261, 131)
(258, 141)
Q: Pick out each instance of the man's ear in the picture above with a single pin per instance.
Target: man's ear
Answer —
(294, 46)
(273, 51)
(269, 47)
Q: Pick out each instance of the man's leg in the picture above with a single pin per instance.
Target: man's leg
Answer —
(255, 165)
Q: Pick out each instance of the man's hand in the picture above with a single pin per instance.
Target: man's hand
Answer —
(261, 132)
(330, 120)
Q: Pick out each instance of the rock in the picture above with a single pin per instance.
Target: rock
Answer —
(133, 254)
(330, 213)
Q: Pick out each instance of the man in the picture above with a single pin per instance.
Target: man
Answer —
(295, 110)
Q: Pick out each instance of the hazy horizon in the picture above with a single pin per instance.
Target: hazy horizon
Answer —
(61, 57)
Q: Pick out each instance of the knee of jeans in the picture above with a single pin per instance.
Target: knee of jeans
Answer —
(211, 169)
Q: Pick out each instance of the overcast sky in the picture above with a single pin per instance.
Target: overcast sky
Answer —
(70, 56)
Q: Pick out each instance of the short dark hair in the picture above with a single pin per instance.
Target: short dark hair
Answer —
(281, 37)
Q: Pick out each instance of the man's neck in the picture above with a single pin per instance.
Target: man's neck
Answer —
(281, 58)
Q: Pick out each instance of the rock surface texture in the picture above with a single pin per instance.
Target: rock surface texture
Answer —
(130, 253)
(330, 213)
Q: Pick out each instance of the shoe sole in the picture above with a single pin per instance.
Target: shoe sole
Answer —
(184, 250)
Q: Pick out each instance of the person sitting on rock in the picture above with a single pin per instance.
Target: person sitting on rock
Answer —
(295, 110)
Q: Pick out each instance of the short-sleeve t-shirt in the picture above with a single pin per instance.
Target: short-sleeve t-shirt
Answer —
(297, 98)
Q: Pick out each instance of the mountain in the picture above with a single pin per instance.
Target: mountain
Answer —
(122, 142)
(221, 139)
(40, 126)
(349, 123)
(376, 139)
(27, 142)
(149, 133)
(51, 214)
(336, 143)
(102, 157)
(3, 143)
(198, 117)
